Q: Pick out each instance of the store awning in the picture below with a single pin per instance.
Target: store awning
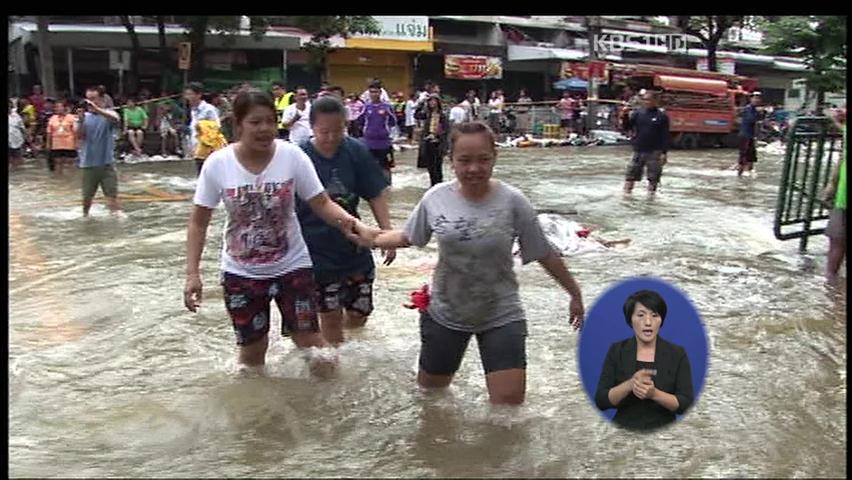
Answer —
(687, 84)
(527, 52)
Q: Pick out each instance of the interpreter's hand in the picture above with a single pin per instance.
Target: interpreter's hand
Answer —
(192, 292)
(577, 312)
(642, 383)
(389, 255)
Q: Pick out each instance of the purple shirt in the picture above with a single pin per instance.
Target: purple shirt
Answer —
(378, 119)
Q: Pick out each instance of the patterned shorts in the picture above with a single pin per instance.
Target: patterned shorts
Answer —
(352, 292)
(247, 301)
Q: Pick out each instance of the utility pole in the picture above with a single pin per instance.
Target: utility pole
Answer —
(592, 28)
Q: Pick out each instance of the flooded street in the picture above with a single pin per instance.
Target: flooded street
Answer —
(111, 376)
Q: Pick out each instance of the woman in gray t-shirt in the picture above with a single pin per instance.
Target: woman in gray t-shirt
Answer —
(476, 220)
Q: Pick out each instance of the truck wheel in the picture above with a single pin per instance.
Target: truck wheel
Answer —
(689, 141)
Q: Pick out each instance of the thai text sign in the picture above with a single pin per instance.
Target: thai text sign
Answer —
(473, 67)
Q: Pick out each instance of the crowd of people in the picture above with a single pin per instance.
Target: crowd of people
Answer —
(291, 168)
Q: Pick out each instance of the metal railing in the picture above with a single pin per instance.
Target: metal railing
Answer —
(813, 148)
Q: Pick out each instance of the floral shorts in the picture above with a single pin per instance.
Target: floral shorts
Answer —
(247, 301)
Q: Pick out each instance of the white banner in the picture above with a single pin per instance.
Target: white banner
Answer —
(413, 28)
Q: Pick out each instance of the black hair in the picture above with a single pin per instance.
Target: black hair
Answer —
(376, 84)
(278, 83)
(650, 300)
(326, 105)
(96, 88)
(248, 99)
(300, 87)
(469, 128)
(196, 87)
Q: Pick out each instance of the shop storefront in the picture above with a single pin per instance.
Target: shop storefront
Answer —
(388, 56)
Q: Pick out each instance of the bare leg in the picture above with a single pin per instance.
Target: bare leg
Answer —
(427, 380)
(332, 326)
(140, 141)
(113, 205)
(507, 387)
(320, 366)
(836, 255)
(354, 319)
(254, 354)
(628, 186)
(652, 186)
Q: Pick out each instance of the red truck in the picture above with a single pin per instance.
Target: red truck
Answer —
(702, 106)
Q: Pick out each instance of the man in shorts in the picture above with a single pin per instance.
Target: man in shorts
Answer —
(748, 153)
(199, 110)
(96, 134)
(650, 143)
(343, 271)
(835, 195)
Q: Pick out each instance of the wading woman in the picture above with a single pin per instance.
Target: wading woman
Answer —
(476, 220)
(645, 378)
(263, 256)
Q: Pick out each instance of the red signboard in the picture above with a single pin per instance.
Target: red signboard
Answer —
(472, 67)
(581, 70)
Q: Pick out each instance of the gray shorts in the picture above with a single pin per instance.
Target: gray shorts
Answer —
(104, 177)
(836, 229)
(442, 349)
(645, 160)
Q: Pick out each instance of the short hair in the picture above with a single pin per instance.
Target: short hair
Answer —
(196, 87)
(278, 84)
(99, 89)
(650, 300)
(471, 128)
(248, 99)
(375, 84)
(326, 105)
(338, 89)
(300, 87)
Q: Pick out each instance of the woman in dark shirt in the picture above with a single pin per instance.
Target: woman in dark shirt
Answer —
(645, 378)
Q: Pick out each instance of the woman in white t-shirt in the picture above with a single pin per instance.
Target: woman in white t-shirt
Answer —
(264, 256)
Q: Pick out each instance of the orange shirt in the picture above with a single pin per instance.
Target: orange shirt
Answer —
(61, 130)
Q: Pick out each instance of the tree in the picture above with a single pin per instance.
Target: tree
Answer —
(820, 40)
(323, 28)
(45, 56)
(226, 26)
(710, 30)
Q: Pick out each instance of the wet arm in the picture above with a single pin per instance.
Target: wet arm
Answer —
(331, 213)
(196, 234)
(387, 239)
(554, 265)
(381, 211)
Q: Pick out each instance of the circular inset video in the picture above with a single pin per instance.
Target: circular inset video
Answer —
(643, 354)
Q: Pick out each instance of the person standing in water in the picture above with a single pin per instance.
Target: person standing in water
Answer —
(96, 137)
(650, 144)
(476, 220)
(344, 272)
(263, 256)
(378, 120)
(433, 141)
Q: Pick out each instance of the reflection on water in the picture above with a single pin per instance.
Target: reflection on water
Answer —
(109, 375)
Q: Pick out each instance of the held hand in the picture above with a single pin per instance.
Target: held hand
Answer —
(641, 380)
(577, 312)
(192, 292)
(389, 256)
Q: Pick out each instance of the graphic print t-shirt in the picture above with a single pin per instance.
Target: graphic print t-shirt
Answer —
(351, 174)
(474, 287)
(262, 234)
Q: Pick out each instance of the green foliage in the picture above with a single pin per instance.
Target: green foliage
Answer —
(820, 40)
(325, 27)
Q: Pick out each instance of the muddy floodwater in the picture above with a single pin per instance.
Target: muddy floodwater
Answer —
(109, 375)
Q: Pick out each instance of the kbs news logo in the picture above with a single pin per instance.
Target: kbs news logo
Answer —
(616, 43)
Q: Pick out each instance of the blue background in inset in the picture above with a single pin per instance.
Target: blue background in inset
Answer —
(605, 325)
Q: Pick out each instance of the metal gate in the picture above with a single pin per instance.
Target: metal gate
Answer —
(813, 149)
